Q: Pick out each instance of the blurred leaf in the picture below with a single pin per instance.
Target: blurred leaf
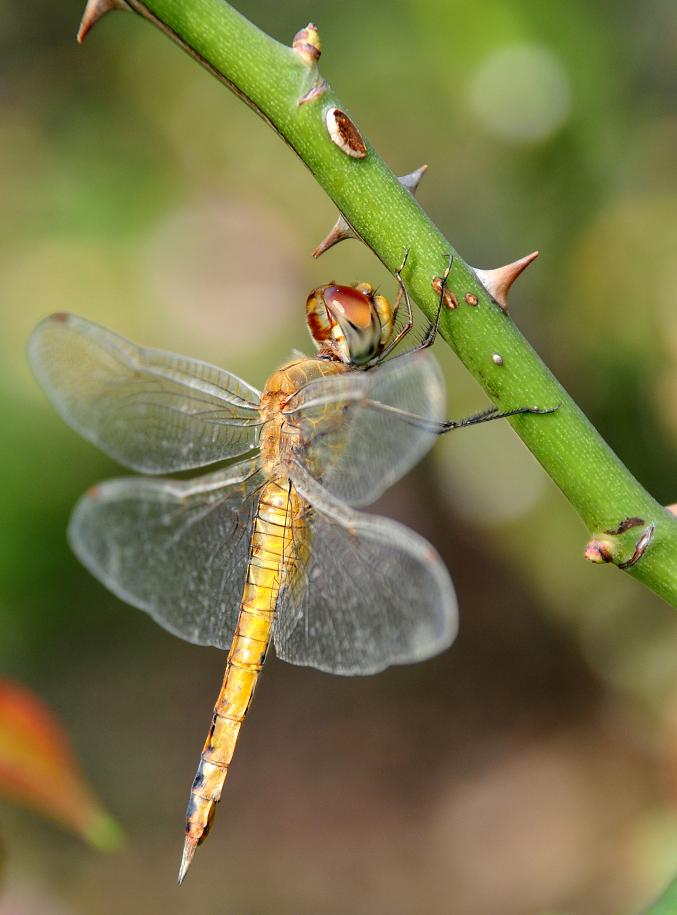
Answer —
(38, 769)
(667, 904)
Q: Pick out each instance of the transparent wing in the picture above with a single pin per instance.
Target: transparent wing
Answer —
(353, 433)
(362, 592)
(153, 411)
(176, 549)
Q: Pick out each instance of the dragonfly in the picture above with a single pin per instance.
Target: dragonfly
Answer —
(271, 546)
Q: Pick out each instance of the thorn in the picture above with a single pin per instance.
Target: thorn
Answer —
(189, 847)
(342, 228)
(498, 282)
(413, 179)
(95, 10)
(339, 232)
(307, 44)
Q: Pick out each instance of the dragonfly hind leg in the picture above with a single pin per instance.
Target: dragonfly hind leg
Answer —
(439, 428)
(485, 416)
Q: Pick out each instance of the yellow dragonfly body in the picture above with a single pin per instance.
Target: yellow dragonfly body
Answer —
(270, 547)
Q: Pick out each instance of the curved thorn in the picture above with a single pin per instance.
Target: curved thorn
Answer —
(95, 10)
(339, 232)
(498, 282)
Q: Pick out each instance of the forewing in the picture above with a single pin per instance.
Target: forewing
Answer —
(153, 411)
(355, 435)
(176, 549)
(361, 592)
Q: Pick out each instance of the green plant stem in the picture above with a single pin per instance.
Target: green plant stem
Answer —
(667, 903)
(272, 78)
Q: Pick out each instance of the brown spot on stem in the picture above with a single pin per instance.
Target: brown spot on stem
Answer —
(448, 298)
(471, 299)
(345, 134)
(626, 525)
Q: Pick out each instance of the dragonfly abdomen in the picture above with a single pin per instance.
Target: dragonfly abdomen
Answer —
(271, 543)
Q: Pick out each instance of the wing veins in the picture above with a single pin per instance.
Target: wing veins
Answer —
(139, 361)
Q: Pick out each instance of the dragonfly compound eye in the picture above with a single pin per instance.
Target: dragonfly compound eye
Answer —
(356, 328)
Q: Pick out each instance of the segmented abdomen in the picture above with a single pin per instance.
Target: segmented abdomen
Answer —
(271, 543)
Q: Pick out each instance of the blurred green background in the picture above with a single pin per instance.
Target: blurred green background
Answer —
(530, 769)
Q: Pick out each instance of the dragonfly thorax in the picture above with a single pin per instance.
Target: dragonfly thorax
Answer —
(280, 434)
(351, 324)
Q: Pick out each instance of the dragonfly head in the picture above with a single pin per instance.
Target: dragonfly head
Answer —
(351, 324)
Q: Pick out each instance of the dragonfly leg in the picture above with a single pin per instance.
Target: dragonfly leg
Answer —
(491, 413)
(439, 428)
(402, 294)
(409, 323)
(431, 333)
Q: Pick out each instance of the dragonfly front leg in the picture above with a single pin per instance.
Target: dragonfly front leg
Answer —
(409, 323)
(434, 327)
(431, 333)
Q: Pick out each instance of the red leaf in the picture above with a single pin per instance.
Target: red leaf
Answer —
(39, 770)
